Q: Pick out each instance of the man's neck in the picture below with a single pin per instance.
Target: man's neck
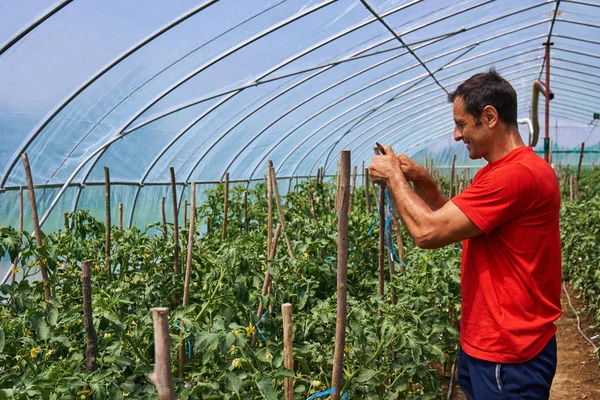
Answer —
(507, 140)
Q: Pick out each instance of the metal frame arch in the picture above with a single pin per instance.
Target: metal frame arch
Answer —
(299, 55)
(120, 133)
(429, 84)
(457, 13)
(32, 26)
(445, 78)
(196, 71)
(364, 142)
(50, 116)
(407, 137)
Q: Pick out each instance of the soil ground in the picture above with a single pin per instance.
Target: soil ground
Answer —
(578, 371)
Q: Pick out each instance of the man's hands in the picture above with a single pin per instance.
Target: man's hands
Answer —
(384, 168)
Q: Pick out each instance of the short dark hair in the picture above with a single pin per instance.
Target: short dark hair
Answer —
(488, 88)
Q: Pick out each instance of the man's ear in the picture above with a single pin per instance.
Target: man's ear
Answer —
(490, 116)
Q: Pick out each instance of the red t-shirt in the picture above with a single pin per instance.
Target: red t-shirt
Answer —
(511, 274)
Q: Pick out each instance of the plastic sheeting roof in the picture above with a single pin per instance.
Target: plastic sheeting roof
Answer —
(215, 86)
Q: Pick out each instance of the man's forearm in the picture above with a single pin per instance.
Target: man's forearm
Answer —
(414, 210)
(429, 193)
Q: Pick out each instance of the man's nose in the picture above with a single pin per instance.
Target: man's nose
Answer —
(457, 134)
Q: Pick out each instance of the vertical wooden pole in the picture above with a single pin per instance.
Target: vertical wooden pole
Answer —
(280, 212)
(354, 173)
(21, 211)
(547, 116)
(161, 376)
(185, 206)
(342, 276)
(288, 356)
(580, 159)
(120, 216)
(381, 262)
(90, 333)
(366, 186)
(164, 216)
(312, 203)
(452, 176)
(399, 240)
(108, 223)
(188, 276)
(66, 220)
(36, 228)
(175, 221)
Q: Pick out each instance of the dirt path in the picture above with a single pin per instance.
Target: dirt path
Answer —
(578, 373)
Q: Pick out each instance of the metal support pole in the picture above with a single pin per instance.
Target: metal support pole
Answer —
(547, 120)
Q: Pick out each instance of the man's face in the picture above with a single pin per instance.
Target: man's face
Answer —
(477, 137)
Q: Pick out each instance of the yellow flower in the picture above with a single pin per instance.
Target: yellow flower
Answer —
(16, 368)
(48, 353)
(146, 255)
(17, 270)
(262, 267)
(204, 287)
(305, 255)
(237, 363)
(34, 352)
(347, 348)
(233, 350)
(220, 283)
(27, 332)
(203, 254)
(268, 354)
(126, 394)
(250, 329)
(96, 267)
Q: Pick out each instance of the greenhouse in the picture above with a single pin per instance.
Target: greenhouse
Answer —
(218, 163)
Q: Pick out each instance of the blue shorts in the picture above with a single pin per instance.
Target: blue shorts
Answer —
(486, 380)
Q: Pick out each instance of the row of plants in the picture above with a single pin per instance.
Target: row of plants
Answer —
(398, 354)
(580, 235)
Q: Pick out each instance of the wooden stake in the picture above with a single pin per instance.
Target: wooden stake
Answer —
(17, 258)
(66, 219)
(342, 276)
(225, 206)
(90, 333)
(381, 267)
(396, 224)
(120, 216)
(366, 186)
(580, 159)
(452, 176)
(38, 232)
(175, 222)
(161, 376)
(164, 217)
(288, 356)
(312, 203)
(108, 223)
(185, 206)
(280, 212)
(188, 275)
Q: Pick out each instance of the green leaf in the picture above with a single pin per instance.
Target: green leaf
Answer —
(234, 383)
(62, 340)
(53, 316)
(266, 388)
(42, 329)
(366, 375)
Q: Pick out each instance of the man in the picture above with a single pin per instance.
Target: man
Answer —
(509, 222)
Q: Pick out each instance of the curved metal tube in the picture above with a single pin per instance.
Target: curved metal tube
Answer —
(40, 127)
(538, 86)
(213, 61)
(31, 27)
